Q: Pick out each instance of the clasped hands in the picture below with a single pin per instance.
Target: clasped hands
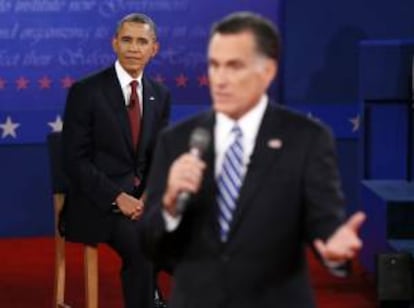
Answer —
(130, 206)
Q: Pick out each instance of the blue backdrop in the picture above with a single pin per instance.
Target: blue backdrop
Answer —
(46, 45)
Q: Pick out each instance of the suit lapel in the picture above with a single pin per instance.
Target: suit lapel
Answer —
(208, 179)
(265, 154)
(148, 101)
(116, 100)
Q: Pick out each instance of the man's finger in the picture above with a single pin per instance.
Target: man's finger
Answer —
(320, 246)
(355, 221)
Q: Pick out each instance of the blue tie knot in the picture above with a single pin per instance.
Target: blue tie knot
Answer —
(237, 130)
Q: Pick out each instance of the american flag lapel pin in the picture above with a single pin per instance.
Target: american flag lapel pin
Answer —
(275, 143)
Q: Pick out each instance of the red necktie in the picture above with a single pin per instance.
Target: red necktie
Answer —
(134, 113)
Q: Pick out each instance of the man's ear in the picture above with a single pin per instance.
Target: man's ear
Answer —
(115, 44)
(155, 49)
(270, 70)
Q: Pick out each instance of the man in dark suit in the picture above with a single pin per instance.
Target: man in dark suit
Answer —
(112, 120)
(267, 186)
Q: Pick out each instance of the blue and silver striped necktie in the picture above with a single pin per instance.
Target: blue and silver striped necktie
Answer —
(229, 182)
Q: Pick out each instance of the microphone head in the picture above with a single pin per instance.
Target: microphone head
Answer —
(200, 139)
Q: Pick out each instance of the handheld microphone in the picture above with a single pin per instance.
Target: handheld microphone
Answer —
(199, 142)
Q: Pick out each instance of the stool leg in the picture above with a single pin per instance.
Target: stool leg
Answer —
(91, 276)
(59, 287)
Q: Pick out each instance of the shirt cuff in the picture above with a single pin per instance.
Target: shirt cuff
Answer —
(337, 268)
(171, 222)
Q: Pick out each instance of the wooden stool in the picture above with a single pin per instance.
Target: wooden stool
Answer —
(90, 252)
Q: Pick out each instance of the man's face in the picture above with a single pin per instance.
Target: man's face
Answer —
(134, 45)
(238, 75)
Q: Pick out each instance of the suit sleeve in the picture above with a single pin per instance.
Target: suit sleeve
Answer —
(78, 149)
(324, 202)
(157, 242)
(165, 116)
(162, 121)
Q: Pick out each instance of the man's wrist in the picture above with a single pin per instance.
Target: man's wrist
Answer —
(168, 204)
(117, 199)
(116, 202)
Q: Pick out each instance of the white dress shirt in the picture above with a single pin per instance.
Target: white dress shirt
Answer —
(124, 80)
(249, 125)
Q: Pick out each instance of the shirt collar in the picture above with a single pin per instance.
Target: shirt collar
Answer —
(123, 76)
(249, 123)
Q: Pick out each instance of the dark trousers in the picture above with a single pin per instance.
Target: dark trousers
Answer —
(137, 275)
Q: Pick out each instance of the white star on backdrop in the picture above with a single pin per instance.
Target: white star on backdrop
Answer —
(9, 128)
(57, 125)
(355, 121)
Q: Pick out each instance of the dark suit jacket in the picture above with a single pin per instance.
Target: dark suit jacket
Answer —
(290, 196)
(97, 150)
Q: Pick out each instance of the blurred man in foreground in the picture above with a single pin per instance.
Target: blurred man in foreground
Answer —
(266, 186)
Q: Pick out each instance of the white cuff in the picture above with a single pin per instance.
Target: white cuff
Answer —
(336, 268)
(171, 222)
